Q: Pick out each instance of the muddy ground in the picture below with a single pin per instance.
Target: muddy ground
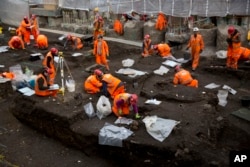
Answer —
(205, 136)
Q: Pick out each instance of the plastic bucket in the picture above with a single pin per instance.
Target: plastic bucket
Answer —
(70, 84)
(245, 101)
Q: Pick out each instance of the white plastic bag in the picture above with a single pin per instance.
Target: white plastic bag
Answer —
(103, 107)
(89, 110)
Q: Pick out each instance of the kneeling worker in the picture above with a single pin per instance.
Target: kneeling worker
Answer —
(16, 42)
(74, 42)
(42, 42)
(42, 87)
(184, 77)
(92, 84)
(122, 103)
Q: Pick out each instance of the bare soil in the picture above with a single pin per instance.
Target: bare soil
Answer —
(205, 136)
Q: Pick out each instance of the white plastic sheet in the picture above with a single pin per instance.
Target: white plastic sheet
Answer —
(130, 72)
(113, 135)
(162, 70)
(159, 128)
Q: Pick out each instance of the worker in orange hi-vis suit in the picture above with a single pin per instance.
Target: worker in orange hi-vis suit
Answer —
(147, 47)
(98, 24)
(48, 62)
(161, 22)
(184, 77)
(122, 103)
(118, 27)
(75, 42)
(196, 44)
(92, 84)
(25, 30)
(101, 51)
(42, 86)
(245, 53)
(16, 42)
(42, 41)
(164, 51)
(111, 86)
(234, 48)
(34, 27)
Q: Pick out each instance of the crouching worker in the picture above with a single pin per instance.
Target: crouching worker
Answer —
(122, 103)
(74, 42)
(163, 50)
(42, 42)
(111, 86)
(92, 84)
(184, 77)
(16, 42)
(42, 87)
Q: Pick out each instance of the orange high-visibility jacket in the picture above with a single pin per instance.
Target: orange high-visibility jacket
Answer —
(76, 43)
(113, 85)
(234, 51)
(25, 30)
(42, 41)
(118, 27)
(102, 49)
(45, 84)
(34, 28)
(184, 77)
(13, 44)
(124, 107)
(164, 50)
(51, 65)
(245, 53)
(161, 22)
(147, 47)
(92, 84)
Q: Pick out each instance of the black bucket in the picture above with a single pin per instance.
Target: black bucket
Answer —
(245, 101)
(187, 56)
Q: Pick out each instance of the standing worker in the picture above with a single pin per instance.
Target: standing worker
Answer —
(16, 42)
(42, 86)
(111, 86)
(48, 62)
(122, 103)
(25, 30)
(101, 51)
(34, 27)
(98, 24)
(147, 46)
(42, 41)
(75, 42)
(92, 84)
(196, 44)
(184, 77)
(234, 47)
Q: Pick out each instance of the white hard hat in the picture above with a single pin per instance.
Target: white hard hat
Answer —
(196, 29)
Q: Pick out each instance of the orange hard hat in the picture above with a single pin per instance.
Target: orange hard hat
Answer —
(231, 30)
(147, 36)
(133, 99)
(98, 72)
(53, 51)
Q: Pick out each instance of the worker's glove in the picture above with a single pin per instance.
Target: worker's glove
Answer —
(107, 55)
(12, 48)
(201, 51)
(120, 112)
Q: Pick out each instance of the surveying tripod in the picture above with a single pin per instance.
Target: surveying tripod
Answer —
(60, 66)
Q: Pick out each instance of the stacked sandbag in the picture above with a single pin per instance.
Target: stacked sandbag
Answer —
(156, 36)
(133, 30)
